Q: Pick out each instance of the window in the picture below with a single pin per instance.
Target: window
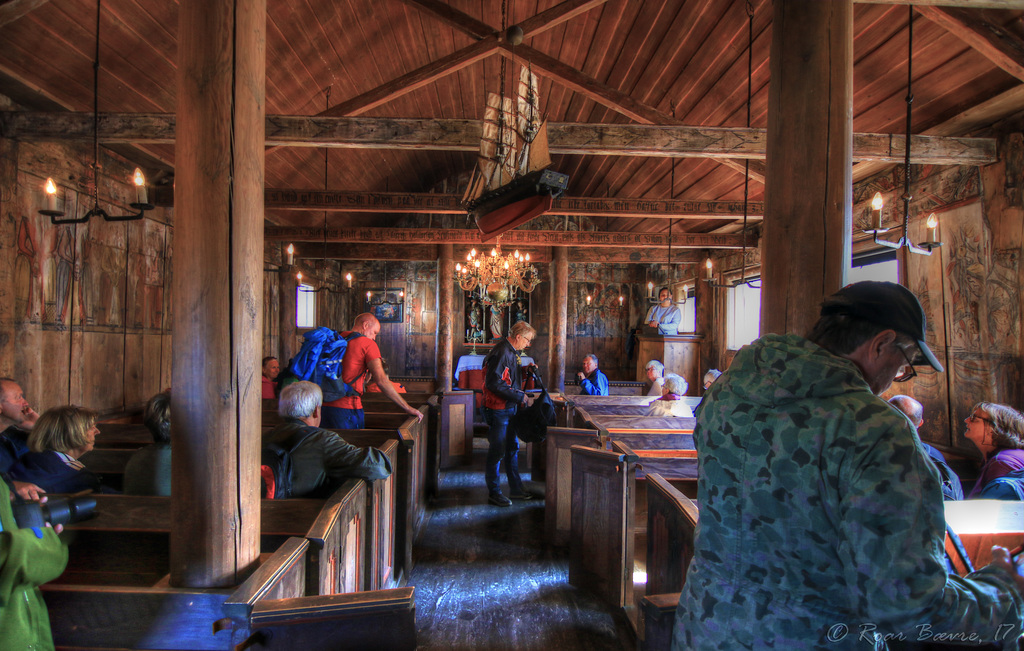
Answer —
(743, 321)
(688, 323)
(305, 307)
(876, 265)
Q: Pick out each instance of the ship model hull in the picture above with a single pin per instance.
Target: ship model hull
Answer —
(517, 202)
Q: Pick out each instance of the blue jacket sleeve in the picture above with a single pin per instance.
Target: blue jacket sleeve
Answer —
(596, 387)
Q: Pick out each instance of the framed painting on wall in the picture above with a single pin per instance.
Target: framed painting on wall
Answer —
(385, 304)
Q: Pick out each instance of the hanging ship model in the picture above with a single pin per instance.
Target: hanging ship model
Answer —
(511, 183)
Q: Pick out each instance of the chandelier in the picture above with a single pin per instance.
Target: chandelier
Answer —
(497, 276)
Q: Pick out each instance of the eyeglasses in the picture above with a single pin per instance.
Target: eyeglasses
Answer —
(975, 417)
(908, 371)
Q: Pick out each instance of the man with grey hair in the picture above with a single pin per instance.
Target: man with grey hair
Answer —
(321, 459)
(16, 421)
(592, 381)
(952, 489)
(656, 375)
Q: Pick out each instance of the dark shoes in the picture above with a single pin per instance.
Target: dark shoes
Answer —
(521, 496)
(497, 499)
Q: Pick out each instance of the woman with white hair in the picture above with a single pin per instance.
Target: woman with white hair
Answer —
(671, 404)
(656, 375)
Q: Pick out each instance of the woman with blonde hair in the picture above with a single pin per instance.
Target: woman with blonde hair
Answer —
(998, 432)
(60, 437)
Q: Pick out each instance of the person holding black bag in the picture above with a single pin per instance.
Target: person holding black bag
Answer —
(503, 394)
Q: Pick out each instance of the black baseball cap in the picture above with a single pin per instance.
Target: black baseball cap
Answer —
(888, 305)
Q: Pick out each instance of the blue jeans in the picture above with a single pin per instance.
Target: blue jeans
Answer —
(338, 418)
(504, 446)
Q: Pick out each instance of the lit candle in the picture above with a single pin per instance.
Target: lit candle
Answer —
(707, 264)
(291, 254)
(650, 290)
(933, 223)
(368, 297)
(621, 298)
(472, 253)
(876, 204)
(401, 294)
(458, 268)
(299, 276)
(348, 280)
(527, 257)
(141, 195)
(588, 299)
(51, 195)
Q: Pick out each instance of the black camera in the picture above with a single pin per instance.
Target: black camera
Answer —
(56, 511)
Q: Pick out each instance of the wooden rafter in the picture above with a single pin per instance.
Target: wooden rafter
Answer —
(464, 135)
(453, 17)
(984, 35)
(12, 10)
(592, 239)
(557, 15)
(439, 204)
(538, 255)
(968, 4)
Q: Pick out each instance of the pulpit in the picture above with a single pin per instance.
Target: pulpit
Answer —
(679, 353)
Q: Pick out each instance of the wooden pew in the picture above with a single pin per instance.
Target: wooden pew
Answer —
(609, 513)
(671, 525)
(558, 479)
(631, 406)
(122, 435)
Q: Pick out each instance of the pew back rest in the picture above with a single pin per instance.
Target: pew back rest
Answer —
(671, 524)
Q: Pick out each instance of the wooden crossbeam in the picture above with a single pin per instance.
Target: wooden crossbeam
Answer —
(453, 17)
(969, 4)
(464, 135)
(539, 256)
(988, 38)
(394, 236)
(440, 204)
(14, 9)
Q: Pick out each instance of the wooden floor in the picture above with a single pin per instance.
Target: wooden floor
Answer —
(486, 581)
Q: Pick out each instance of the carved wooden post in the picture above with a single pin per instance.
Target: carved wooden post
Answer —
(217, 292)
(288, 286)
(559, 311)
(707, 325)
(445, 303)
(809, 186)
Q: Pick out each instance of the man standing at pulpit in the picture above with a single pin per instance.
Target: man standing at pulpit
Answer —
(664, 316)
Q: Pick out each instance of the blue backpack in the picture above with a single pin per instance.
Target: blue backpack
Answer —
(1007, 487)
(319, 361)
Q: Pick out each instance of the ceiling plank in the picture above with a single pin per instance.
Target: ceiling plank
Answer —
(509, 238)
(14, 9)
(453, 17)
(440, 204)
(418, 78)
(989, 39)
(603, 94)
(464, 135)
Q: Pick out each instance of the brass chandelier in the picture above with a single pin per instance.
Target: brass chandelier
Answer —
(497, 276)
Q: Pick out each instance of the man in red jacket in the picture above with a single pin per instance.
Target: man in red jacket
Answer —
(503, 393)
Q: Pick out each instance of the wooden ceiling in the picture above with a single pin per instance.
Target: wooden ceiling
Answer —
(616, 62)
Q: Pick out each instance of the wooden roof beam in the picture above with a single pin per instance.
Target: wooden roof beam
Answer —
(968, 4)
(659, 141)
(451, 204)
(539, 255)
(453, 17)
(984, 35)
(12, 10)
(560, 13)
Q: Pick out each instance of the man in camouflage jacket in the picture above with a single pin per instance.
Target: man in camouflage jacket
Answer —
(821, 520)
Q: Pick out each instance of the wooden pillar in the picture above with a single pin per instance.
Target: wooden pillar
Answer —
(809, 187)
(559, 312)
(217, 292)
(445, 305)
(288, 286)
(707, 325)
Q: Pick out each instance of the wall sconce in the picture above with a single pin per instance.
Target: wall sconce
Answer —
(710, 279)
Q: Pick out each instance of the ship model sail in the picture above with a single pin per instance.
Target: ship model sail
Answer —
(511, 183)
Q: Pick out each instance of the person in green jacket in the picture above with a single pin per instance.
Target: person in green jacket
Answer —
(28, 559)
(821, 519)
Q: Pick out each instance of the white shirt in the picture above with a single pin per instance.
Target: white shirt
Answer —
(669, 409)
(656, 387)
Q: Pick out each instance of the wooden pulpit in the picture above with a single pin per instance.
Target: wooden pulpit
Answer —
(679, 353)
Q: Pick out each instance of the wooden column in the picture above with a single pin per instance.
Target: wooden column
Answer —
(706, 325)
(288, 285)
(559, 311)
(445, 305)
(217, 292)
(808, 218)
